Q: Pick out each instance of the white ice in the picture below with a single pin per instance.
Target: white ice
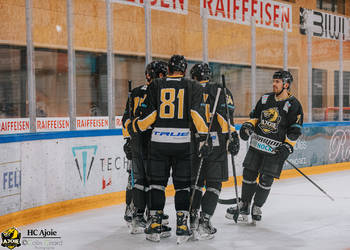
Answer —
(296, 216)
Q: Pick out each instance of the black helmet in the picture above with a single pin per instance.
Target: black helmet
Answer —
(286, 76)
(177, 63)
(201, 71)
(155, 68)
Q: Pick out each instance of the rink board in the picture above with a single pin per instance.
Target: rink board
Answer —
(67, 169)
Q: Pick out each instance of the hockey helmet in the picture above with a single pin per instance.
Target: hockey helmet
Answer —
(201, 71)
(155, 68)
(286, 76)
(177, 63)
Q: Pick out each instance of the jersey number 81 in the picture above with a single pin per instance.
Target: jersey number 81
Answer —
(167, 106)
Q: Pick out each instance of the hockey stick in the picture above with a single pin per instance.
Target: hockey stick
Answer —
(205, 143)
(130, 117)
(229, 201)
(297, 169)
(235, 217)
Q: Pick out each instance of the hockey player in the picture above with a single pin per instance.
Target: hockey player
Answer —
(274, 127)
(136, 149)
(172, 107)
(214, 168)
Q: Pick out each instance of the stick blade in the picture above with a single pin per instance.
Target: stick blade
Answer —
(228, 201)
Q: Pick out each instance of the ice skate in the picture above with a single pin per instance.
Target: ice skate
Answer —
(165, 231)
(128, 215)
(153, 231)
(205, 229)
(256, 214)
(165, 217)
(194, 221)
(244, 208)
(183, 233)
(138, 224)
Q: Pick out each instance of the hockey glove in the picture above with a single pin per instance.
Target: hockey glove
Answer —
(246, 130)
(205, 148)
(233, 145)
(131, 131)
(127, 149)
(283, 151)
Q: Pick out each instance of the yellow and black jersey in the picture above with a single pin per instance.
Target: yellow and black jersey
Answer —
(220, 123)
(276, 121)
(138, 96)
(172, 107)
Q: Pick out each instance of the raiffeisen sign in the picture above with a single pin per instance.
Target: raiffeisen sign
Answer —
(267, 14)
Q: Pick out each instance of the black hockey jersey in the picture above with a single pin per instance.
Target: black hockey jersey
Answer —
(172, 107)
(138, 96)
(220, 123)
(276, 121)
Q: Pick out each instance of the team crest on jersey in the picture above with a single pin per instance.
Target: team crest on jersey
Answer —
(270, 119)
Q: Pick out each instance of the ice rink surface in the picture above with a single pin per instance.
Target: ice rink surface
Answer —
(296, 216)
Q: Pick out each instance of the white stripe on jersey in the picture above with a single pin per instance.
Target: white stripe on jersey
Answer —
(171, 135)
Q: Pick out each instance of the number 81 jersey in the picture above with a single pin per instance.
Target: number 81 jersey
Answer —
(172, 105)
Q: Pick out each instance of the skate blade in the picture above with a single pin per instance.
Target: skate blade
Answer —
(205, 236)
(194, 235)
(254, 222)
(165, 235)
(241, 217)
(153, 237)
(182, 239)
(137, 230)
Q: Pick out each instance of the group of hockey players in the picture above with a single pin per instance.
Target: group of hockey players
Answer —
(166, 126)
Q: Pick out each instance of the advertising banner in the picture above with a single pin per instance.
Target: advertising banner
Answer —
(14, 126)
(118, 121)
(64, 169)
(47, 124)
(175, 6)
(10, 178)
(268, 14)
(323, 24)
(54, 124)
(321, 146)
(92, 122)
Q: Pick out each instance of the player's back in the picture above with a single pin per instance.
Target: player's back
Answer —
(171, 97)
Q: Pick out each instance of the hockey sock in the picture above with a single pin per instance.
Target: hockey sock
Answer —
(128, 196)
(210, 198)
(139, 195)
(196, 198)
(156, 195)
(197, 195)
(249, 184)
(263, 189)
(182, 195)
